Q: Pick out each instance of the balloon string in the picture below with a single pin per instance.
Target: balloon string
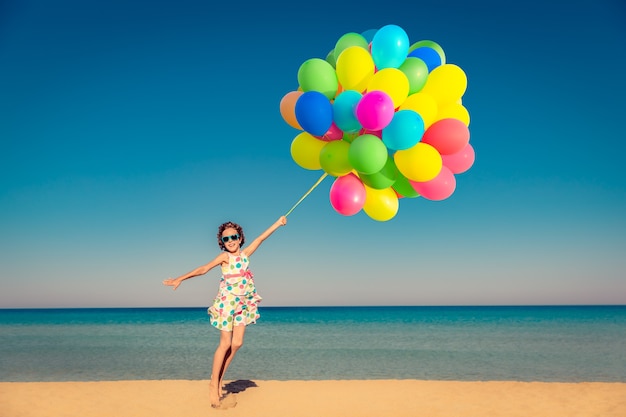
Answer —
(307, 193)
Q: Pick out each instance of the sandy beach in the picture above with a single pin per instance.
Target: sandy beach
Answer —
(349, 398)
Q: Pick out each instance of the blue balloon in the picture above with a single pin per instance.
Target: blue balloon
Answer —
(428, 55)
(314, 113)
(369, 34)
(390, 47)
(404, 131)
(344, 111)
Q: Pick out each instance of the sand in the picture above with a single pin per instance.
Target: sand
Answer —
(397, 398)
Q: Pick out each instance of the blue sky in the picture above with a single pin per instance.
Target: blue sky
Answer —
(132, 129)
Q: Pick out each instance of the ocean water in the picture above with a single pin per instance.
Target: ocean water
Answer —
(560, 343)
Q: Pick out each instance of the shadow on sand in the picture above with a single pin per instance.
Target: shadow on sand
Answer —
(239, 385)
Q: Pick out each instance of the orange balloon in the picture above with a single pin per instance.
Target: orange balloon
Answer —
(339, 91)
(288, 108)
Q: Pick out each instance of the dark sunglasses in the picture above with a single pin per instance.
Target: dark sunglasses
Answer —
(231, 237)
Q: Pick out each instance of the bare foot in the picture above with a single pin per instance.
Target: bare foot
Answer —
(214, 394)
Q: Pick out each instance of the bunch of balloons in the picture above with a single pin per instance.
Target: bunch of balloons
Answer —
(384, 117)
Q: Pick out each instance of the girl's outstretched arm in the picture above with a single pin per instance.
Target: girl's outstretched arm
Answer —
(252, 247)
(201, 270)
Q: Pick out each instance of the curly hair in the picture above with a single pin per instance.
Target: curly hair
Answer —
(225, 226)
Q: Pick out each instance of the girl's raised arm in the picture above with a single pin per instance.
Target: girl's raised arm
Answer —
(252, 247)
(201, 270)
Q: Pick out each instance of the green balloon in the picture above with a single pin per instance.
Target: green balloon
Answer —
(348, 40)
(330, 58)
(382, 179)
(416, 72)
(350, 136)
(316, 74)
(367, 154)
(334, 158)
(404, 187)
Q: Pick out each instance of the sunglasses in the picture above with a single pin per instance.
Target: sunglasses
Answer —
(231, 237)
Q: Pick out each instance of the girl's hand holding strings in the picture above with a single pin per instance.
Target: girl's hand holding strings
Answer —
(172, 282)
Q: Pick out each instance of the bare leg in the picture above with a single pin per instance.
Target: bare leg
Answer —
(221, 374)
(235, 344)
(218, 363)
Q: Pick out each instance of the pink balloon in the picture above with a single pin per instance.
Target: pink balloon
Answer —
(439, 188)
(448, 136)
(461, 161)
(347, 195)
(333, 133)
(375, 110)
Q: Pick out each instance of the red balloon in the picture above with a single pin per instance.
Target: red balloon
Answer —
(333, 133)
(461, 161)
(439, 188)
(377, 133)
(448, 136)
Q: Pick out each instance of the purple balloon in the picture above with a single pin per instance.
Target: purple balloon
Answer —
(375, 110)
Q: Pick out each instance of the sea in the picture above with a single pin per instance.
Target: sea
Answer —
(512, 343)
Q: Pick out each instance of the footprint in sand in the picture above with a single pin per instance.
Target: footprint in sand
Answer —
(229, 401)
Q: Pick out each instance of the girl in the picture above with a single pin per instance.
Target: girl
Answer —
(236, 304)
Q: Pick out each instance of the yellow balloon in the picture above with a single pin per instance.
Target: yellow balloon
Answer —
(421, 162)
(454, 111)
(380, 205)
(305, 151)
(355, 68)
(446, 83)
(393, 82)
(422, 104)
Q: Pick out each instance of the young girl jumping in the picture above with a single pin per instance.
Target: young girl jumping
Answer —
(236, 304)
